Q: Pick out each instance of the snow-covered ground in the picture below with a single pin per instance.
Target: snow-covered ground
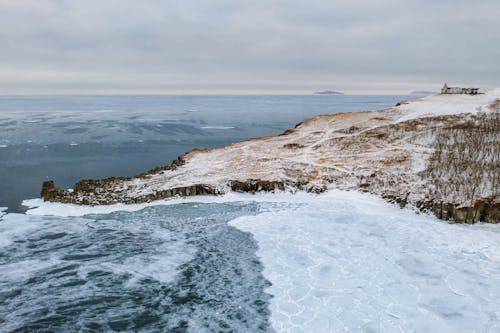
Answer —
(438, 105)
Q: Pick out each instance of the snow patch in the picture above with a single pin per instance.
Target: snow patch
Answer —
(441, 105)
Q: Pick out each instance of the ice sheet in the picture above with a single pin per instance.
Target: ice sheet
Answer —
(41, 207)
(352, 263)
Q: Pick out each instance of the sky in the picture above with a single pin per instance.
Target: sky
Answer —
(246, 47)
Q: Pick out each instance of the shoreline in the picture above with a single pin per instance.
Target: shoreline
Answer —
(384, 152)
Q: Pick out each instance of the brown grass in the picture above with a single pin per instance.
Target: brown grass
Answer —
(466, 160)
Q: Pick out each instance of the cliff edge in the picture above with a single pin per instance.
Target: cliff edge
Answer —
(440, 154)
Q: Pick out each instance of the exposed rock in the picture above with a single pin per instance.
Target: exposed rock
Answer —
(293, 146)
(256, 185)
(480, 211)
(50, 191)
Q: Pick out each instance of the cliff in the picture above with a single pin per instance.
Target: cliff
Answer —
(417, 153)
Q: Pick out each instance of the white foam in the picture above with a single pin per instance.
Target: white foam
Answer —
(351, 262)
(12, 225)
(4, 146)
(17, 226)
(161, 263)
(21, 270)
(162, 266)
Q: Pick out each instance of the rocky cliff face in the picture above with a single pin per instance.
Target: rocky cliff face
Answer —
(386, 152)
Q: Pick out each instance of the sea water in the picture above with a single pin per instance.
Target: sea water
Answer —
(335, 262)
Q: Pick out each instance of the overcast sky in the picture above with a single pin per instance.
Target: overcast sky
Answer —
(250, 46)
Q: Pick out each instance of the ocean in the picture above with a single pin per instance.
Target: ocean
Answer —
(334, 262)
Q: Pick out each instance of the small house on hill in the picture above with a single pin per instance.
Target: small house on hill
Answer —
(459, 90)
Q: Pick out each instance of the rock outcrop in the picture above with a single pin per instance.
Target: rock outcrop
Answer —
(383, 152)
(52, 192)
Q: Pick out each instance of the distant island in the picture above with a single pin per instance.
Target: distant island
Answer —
(423, 92)
(328, 92)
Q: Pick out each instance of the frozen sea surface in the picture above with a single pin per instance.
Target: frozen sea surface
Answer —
(347, 262)
(335, 262)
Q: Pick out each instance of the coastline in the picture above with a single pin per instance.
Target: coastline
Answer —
(382, 152)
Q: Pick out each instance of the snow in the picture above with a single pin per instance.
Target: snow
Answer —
(440, 105)
(348, 262)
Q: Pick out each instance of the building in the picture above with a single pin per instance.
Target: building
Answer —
(459, 90)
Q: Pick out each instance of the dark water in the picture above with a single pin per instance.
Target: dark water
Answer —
(67, 138)
(162, 269)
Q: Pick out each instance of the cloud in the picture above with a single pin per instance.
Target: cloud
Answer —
(262, 45)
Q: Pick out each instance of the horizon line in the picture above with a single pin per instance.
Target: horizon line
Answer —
(217, 93)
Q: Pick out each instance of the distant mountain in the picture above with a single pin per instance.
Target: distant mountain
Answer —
(328, 92)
